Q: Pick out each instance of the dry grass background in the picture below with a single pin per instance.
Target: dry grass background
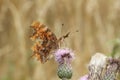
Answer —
(98, 22)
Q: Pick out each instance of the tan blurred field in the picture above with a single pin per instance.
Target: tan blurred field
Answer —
(97, 22)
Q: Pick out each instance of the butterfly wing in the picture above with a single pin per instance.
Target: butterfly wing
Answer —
(46, 41)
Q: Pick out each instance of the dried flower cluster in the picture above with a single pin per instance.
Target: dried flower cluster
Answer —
(102, 67)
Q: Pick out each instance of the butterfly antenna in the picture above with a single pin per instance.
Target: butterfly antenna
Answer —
(64, 36)
(67, 35)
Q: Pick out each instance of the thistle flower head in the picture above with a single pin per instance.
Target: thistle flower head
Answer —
(98, 60)
(64, 55)
(112, 69)
(64, 58)
(96, 66)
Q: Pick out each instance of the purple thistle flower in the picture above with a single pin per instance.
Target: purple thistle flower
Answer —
(85, 77)
(64, 55)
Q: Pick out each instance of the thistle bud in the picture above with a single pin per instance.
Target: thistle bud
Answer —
(64, 71)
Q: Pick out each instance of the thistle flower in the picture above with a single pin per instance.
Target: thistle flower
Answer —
(112, 69)
(64, 57)
(102, 67)
(96, 66)
(98, 60)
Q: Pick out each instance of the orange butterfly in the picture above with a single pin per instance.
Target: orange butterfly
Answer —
(46, 41)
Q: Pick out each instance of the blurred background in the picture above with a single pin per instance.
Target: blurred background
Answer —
(97, 23)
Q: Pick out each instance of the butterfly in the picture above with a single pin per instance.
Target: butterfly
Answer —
(45, 41)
